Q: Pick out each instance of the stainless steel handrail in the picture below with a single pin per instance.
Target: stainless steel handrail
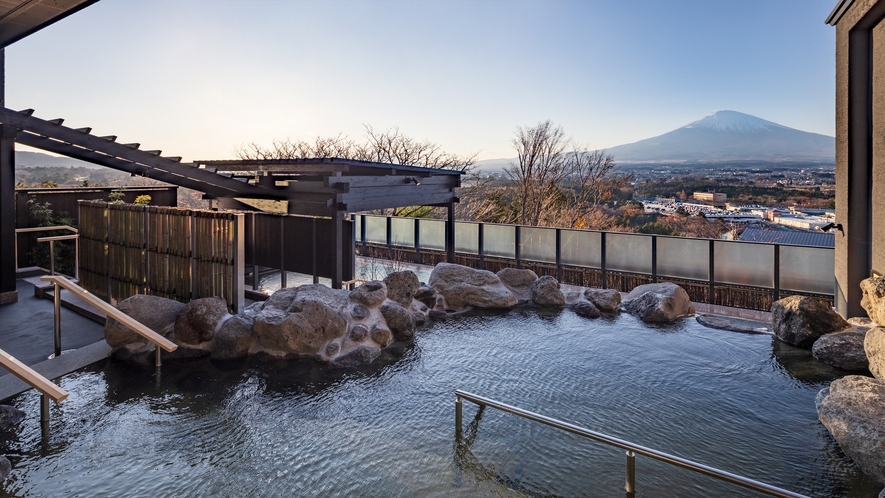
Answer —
(631, 448)
(112, 312)
(51, 244)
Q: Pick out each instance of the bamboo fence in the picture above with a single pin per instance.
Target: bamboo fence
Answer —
(175, 253)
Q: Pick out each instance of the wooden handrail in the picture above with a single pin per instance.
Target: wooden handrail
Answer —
(112, 312)
(32, 378)
(58, 237)
(45, 229)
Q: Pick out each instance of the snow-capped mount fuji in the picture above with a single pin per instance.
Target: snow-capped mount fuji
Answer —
(729, 136)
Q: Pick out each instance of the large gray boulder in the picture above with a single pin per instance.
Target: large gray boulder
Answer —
(873, 289)
(604, 299)
(546, 292)
(853, 410)
(519, 281)
(233, 339)
(843, 350)
(400, 320)
(370, 293)
(302, 321)
(801, 320)
(156, 313)
(401, 287)
(10, 417)
(874, 347)
(658, 303)
(199, 319)
(460, 287)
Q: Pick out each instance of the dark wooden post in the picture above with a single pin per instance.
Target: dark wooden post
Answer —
(450, 233)
(283, 283)
(313, 250)
(8, 294)
(480, 246)
(517, 240)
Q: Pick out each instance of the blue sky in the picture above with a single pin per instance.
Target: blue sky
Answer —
(197, 78)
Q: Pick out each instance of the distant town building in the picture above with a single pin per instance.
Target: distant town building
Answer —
(717, 197)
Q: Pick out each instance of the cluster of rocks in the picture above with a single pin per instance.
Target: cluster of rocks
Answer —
(341, 327)
(348, 328)
(853, 408)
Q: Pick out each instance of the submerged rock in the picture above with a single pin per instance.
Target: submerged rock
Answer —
(801, 320)
(10, 417)
(460, 287)
(5, 468)
(843, 350)
(365, 353)
(546, 292)
(874, 347)
(853, 410)
(658, 303)
(604, 299)
(586, 309)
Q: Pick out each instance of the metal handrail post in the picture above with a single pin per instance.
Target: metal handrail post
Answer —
(630, 485)
(44, 408)
(458, 414)
(77, 258)
(52, 257)
(56, 302)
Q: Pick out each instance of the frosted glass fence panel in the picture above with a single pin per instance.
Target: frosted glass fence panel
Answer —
(537, 244)
(625, 252)
(467, 238)
(684, 258)
(499, 240)
(402, 232)
(376, 229)
(743, 263)
(581, 248)
(432, 234)
(807, 269)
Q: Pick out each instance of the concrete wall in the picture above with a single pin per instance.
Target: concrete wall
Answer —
(860, 150)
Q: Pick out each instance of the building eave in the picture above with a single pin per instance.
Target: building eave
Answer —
(838, 12)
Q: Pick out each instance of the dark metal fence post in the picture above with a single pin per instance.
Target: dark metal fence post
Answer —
(418, 241)
(602, 260)
(283, 283)
(776, 294)
(363, 232)
(559, 254)
(480, 245)
(711, 298)
(654, 259)
(316, 277)
(389, 237)
(517, 240)
(254, 255)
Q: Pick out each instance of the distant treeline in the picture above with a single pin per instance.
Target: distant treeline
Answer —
(740, 192)
(70, 176)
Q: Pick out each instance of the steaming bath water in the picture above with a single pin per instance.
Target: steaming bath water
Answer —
(257, 427)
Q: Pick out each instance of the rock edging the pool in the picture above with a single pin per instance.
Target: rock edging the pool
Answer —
(348, 328)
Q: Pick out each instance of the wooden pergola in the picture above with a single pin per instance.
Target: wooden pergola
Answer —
(332, 188)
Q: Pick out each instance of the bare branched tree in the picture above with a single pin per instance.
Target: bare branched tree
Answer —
(539, 170)
(389, 146)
